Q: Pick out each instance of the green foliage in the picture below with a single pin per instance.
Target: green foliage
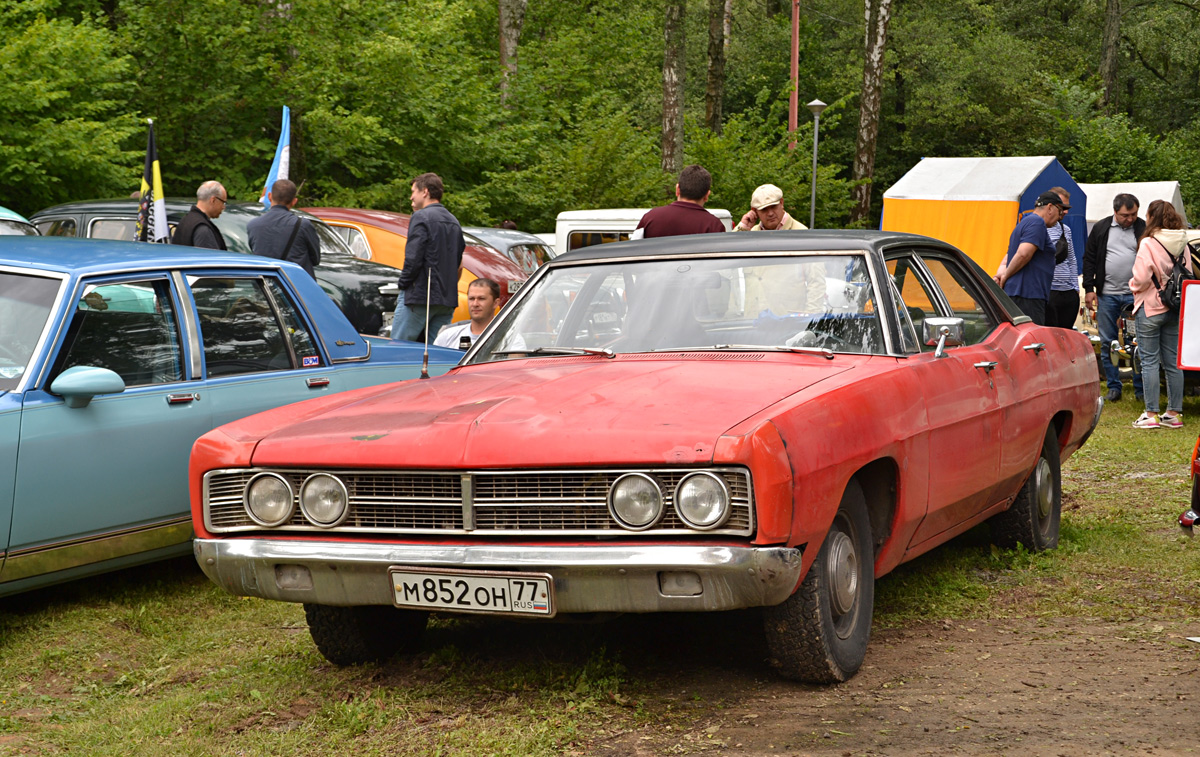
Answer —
(382, 91)
(64, 98)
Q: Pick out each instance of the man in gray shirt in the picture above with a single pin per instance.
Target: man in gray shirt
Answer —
(281, 234)
(1107, 267)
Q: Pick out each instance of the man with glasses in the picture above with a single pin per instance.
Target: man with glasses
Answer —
(1029, 266)
(196, 228)
(1107, 268)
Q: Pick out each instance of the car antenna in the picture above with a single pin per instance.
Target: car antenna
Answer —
(428, 295)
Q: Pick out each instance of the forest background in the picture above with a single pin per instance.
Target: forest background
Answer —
(571, 114)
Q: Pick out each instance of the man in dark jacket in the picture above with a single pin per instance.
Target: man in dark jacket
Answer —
(1107, 267)
(196, 228)
(432, 261)
(281, 234)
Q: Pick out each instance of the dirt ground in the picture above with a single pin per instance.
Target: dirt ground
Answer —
(1024, 686)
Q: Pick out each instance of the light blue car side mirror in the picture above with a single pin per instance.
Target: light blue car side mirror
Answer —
(79, 384)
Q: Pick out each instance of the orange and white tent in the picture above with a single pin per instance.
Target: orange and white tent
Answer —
(974, 203)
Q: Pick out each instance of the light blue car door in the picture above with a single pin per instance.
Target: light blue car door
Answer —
(108, 480)
(10, 429)
(262, 347)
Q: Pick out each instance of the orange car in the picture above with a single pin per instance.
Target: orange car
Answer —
(380, 235)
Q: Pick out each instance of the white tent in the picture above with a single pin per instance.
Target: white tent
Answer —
(1100, 197)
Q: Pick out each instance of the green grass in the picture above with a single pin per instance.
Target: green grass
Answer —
(159, 661)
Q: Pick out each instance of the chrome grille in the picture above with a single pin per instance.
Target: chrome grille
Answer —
(521, 502)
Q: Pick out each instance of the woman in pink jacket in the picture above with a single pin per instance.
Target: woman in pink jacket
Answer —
(1158, 325)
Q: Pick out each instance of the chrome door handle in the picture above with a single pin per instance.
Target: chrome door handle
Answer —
(317, 383)
(988, 366)
(1037, 348)
(183, 399)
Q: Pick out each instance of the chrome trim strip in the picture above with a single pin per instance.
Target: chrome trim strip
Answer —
(191, 326)
(592, 578)
(49, 558)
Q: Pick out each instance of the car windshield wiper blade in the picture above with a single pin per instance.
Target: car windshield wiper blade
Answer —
(606, 352)
(822, 351)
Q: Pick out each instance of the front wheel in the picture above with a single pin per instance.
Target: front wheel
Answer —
(1034, 517)
(820, 633)
(353, 635)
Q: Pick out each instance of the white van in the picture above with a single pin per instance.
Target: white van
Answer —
(583, 228)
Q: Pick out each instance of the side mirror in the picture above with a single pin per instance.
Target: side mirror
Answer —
(79, 384)
(944, 332)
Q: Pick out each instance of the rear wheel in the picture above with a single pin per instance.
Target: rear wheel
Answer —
(1034, 517)
(820, 633)
(352, 635)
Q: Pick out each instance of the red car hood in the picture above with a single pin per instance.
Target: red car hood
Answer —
(568, 411)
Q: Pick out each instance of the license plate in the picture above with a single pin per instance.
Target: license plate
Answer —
(495, 592)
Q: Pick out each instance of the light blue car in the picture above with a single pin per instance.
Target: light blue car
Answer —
(14, 224)
(115, 357)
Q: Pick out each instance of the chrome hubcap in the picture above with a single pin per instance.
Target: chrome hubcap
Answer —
(842, 569)
(1045, 490)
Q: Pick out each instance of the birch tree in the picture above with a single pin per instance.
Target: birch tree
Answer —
(512, 16)
(673, 71)
(878, 14)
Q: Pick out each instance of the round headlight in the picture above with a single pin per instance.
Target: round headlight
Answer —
(702, 500)
(268, 499)
(635, 501)
(324, 500)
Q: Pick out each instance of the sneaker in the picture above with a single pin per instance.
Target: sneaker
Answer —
(1146, 420)
(1170, 421)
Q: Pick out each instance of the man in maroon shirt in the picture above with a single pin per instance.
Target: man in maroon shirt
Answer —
(687, 214)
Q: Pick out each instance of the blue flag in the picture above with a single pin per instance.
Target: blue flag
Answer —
(279, 166)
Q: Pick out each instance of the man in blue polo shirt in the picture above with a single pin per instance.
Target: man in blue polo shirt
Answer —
(1029, 265)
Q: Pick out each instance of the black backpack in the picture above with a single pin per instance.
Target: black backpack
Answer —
(1170, 292)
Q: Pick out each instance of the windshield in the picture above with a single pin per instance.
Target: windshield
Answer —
(25, 303)
(810, 302)
(14, 228)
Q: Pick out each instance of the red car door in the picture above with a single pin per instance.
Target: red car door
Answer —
(963, 409)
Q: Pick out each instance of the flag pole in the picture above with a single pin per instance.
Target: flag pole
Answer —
(428, 292)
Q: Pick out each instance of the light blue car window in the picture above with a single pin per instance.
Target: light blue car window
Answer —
(129, 328)
(302, 341)
(240, 330)
(25, 303)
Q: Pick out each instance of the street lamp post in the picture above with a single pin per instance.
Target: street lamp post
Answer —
(816, 106)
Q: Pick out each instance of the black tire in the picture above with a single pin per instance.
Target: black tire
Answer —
(820, 633)
(353, 635)
(1034, 517)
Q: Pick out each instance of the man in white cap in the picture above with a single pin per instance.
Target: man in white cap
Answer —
(798, 288)
(766, 212)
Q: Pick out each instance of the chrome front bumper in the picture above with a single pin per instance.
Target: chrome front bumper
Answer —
(593, 578)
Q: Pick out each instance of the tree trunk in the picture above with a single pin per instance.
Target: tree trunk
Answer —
(512, 16)
(673, 65)
(1109, 44)
(878, 14)
(714, 91)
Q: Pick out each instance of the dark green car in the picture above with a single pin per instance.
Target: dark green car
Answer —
(354, 284)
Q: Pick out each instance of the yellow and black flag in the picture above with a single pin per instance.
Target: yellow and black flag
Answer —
(152, 208)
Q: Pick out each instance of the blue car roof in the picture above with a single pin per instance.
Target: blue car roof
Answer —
(11, 215)
(85, 256)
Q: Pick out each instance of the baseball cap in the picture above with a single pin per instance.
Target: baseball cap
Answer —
(1049, 198)
(766, 196)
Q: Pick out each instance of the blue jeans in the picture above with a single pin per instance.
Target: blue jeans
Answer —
(1108, 309)
(1158, 343)
(408, 324)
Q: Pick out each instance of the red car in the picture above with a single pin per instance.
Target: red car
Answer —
(710, 422)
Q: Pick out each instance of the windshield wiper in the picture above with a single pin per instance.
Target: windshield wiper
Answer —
(822, 351)
(606, 352)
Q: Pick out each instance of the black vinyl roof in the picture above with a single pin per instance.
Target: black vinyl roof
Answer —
(817, 240)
